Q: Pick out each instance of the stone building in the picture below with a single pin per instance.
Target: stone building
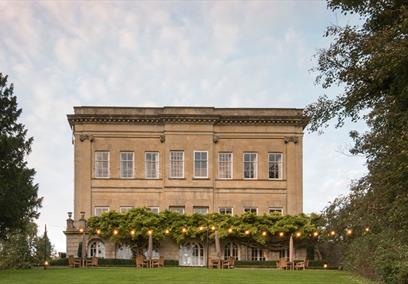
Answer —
(186, 159)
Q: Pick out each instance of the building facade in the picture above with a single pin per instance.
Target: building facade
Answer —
(185, 159)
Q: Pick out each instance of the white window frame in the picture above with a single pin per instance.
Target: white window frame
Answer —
(232, 210)
(154, 208)
(231, 163)
(120, 164)
(201, 207)
(95, 162)
(194, 165)
(275, 209)
(102, 208)
(182, 163)
(255, 168)
(182, 207)
(248, 208)
(260, 254)
(280, 166)
(157, 165)
(124, 209)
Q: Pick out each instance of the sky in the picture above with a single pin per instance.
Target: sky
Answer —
(61, 54)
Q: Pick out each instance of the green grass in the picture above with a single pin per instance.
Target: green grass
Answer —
(174, 275)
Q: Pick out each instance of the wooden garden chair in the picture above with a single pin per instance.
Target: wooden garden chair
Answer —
(213, 263)
(158, 262)
(140, 261)
(301, 264)
(72, 262)
(92, 262)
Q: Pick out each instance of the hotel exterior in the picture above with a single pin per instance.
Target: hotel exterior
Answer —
(185, 159)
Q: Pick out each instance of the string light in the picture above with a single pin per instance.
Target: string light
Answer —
(98, 232)
(213, 228)
(184, 230)
(325, 266)
(367, 229)
(167, 232)
(132, 232)
(81, 230)
(150, 232)
(298, 234)
(281, 234)
(264, 233)
(315, 234)
(115, 232)
(247, 232)
(349, 232)
(201, 228)
(332, 233)
(230, 230)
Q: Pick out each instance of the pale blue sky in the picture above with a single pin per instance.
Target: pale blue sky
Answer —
(224, 54)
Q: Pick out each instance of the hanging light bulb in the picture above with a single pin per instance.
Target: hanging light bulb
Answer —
(298, 234)
(201, 228)
(213, 228)
(98, 232)
(167, 232)
(281, 234)
(315, 234)
(132, 232)
(230, 230)
(150, 232)
(184, 230)
(247, 232)
(264, 233)
(349, 232)
(333, 233)
(115, 232)
(367, 229)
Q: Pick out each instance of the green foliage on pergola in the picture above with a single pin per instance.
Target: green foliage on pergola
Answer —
(133, 228)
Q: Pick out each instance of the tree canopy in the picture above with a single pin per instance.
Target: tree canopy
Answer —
(370, 64)
(133, 228)
(19, 201)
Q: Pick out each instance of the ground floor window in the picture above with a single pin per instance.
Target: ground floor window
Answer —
(257, 254)
(231, 250)
(123, 252)
(96, 248)
(192, 254)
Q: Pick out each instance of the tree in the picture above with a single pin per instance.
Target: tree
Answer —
(19, 199)
(42, 249)
(17, 250)
(370, 62)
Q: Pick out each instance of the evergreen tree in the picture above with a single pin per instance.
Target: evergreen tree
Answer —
(19, 201)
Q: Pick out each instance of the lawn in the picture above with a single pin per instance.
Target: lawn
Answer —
(174, 275)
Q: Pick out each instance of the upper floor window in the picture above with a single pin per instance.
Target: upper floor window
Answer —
(126, 164)
(152, 165)
(275, 165)
(178, 209)
(225, 165)
(251, 210)
(99, 210)
(250, 165)
(200, 210)
(124, 209)
(278, 210)
(200, 164)
(225, 210)
(176, 164)
(102, 164)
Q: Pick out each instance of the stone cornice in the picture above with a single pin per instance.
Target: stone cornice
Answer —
(251, 117)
